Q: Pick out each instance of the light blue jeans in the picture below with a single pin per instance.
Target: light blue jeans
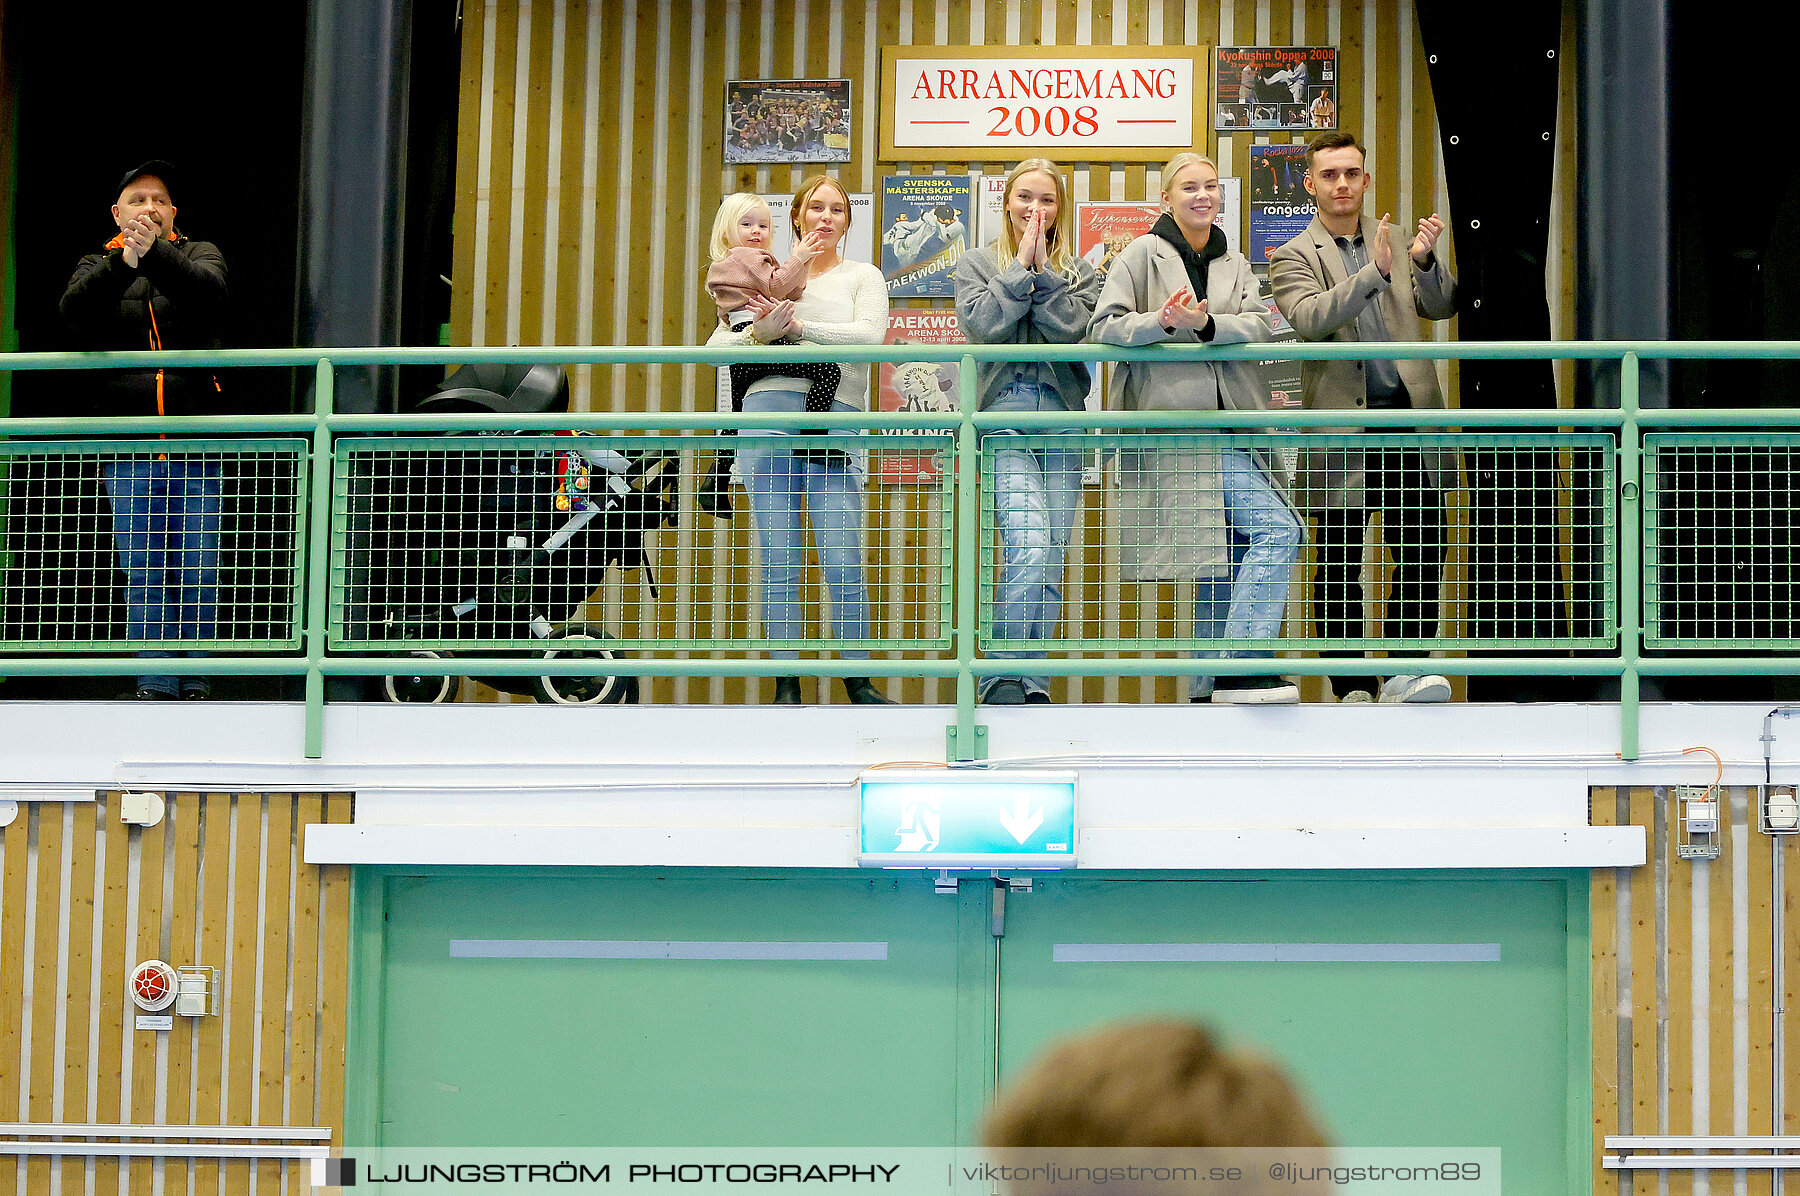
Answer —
(166, 528)
(782, 473)
(1037, 492)
(1265, 540)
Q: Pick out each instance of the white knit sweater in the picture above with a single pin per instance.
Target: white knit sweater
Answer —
(846, 305)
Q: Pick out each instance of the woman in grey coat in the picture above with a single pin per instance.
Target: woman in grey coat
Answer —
(1028, 287)
(1218, 517)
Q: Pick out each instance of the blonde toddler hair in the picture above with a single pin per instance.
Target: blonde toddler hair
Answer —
(731, 210)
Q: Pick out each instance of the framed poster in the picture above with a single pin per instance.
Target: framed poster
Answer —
(990, 206)
(926, 222)
(1069, 103)
(1280, 207)
(917, 386)
(1270, 88)
(787, 120)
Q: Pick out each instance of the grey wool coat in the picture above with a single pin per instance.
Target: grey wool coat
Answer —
(1009, 305)
(1172, 499)
(1322, 301)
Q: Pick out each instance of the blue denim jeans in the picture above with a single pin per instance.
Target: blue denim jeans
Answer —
(1265, 542)
(1036, 494)
(780, 481)
(166, 529)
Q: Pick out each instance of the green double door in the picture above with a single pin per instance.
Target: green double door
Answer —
(735, 1009)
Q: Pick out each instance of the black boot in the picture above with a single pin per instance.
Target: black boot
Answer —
(862, 692)
(787, 691)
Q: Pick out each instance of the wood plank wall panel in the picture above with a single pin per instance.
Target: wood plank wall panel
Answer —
(1684, 1002)
(588, 168)
(220, 881)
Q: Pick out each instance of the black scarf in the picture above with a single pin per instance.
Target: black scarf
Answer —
(1196, 263)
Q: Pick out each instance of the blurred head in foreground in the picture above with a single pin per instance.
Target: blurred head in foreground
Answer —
(1135, 1101)
(1150, 1084)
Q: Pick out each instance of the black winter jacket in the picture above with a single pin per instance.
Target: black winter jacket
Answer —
(110, 305)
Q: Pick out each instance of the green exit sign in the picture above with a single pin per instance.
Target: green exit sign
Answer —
(967, 818)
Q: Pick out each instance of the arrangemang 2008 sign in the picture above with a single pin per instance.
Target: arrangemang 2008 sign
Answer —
(1082, 103)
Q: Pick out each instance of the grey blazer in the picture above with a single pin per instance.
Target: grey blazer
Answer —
(1171, 508)
(1322, 301)
(1139, 282)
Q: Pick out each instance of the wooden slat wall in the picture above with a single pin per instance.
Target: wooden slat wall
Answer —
(1684, 1004)
(589, 166)
(84, 898)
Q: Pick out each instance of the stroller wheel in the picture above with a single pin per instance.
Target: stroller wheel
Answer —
(419, 687)
(585, 641)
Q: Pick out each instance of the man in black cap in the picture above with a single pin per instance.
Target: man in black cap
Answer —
(152, 288)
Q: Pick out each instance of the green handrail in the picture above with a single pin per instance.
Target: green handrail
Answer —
(324, 424)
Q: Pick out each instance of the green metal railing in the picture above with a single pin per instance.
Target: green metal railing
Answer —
(1659, 550)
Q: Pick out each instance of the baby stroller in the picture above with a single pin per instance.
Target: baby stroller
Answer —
(520, 539)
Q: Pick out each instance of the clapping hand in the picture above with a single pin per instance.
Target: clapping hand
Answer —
(1182, 312)
(1430, 229)
(774, 319)
(1033, 246)
(139, 234)
(1382, 252)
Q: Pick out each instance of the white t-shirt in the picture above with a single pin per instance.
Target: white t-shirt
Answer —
(846, 305)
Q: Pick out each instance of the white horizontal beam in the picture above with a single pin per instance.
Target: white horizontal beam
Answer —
(1703, 1142)
(664, 846)
(163, 1150)
(835, 847)
(64, 1129)
(1700, 1162)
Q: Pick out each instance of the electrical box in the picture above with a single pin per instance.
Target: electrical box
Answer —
(1780, 810)
(196, 990)
(1697, 821)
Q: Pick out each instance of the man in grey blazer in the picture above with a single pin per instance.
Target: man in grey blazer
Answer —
(1338, 281)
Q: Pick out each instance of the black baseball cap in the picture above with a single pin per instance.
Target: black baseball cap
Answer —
(155, 166)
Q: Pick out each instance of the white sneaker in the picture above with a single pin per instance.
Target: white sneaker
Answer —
(1254, 691)
(1356, 697)
(1413, 691)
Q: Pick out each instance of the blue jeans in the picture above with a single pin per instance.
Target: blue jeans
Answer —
(166, 529)
(1036, 494)
(779, 481)
(1265, 542)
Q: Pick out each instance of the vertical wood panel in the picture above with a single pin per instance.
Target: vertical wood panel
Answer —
(240, 1006)
(1645, 915)
(15, 854)
(531, 200)
(150, 945)
(334, 963)
(184, 842)
(215, 913)
(497, 186)
(1603, 924)
(1678, 965)
(1789, 946)
(109, 999)
(271, 1039)
(46, 998)
(468, 179)
(78, 981)
(573, 216)
(1721, 955)
(302, 1085)
(1761, 1014)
